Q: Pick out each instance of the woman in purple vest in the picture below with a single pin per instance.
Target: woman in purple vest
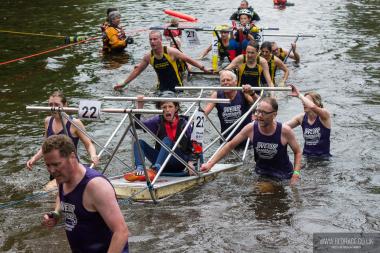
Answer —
(270, 140)
(315, 123)
(53, 126)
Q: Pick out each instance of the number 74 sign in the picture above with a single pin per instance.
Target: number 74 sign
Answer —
(89, 109)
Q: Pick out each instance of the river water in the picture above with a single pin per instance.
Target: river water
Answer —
(228, 214)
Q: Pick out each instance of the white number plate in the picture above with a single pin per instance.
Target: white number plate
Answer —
(89, 109)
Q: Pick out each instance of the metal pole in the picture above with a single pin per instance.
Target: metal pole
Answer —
(116, 148)
(63, 123)
(107, 110)
(235, 123)
(240, 122)
(193, 104)
(220, 137)
(159, 141)
(139, 150)
(233, 88)
(175, 99)
(92, 139)
(291, 49)
(174, 147)
(292, 35)
(246, 149)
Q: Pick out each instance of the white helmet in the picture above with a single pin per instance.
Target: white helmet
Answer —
(245, 12)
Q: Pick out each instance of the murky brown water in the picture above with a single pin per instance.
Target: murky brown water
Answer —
(226, 215)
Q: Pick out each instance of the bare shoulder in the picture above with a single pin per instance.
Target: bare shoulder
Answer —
(146, 57)
(99, 185)
(77, 121)
(46, 121)
(262, 60)
(287, 130)
(248, 129)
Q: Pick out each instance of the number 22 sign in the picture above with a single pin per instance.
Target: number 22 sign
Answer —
(89, 109)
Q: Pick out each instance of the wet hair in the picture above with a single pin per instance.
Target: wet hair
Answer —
(315, 97)
(167, 94)
(229, 72)
(109, 10)
(254, 44)
(267, 45)
(59, 93)
(158, 104)
(155, 32)
(271, 101)
(60, 142)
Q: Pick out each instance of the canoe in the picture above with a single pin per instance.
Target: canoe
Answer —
(166, 186)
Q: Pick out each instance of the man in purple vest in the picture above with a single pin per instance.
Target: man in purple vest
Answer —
(86, 200)
(239, 105)
(270, 140)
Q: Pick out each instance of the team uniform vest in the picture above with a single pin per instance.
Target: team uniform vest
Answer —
(86, 231)
(251, 76)
(50, 131)
(184, 144)
(272, 71)
(317, 138)
(270, 155)
(230, 113)
(231, 50)
(167, 71)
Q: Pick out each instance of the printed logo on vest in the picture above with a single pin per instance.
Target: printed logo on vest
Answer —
(69, 215)
(231, 113)
(266, 150)
(312, 136)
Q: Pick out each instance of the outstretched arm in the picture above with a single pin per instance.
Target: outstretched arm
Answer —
(321, 112)
(245, 133)
(204, 53)
(210, 106)
(291, 140)
(295, 121)
(38, 155)
(91, 150)
(137, 71)
(235, 63)
(264, 65)
(294, 54)
(283, 67)
(176, 54)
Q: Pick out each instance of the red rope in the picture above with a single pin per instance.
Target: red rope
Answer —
(48, 51)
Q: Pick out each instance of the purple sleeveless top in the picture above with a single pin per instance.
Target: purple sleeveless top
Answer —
(68, 125)
(229, 113)
(317, 138)
(270, 155)
(86, 231)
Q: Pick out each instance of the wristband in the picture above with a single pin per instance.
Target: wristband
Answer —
(54, 214)
(296, 172)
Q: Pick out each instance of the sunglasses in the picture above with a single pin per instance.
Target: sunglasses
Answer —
(264, 113)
